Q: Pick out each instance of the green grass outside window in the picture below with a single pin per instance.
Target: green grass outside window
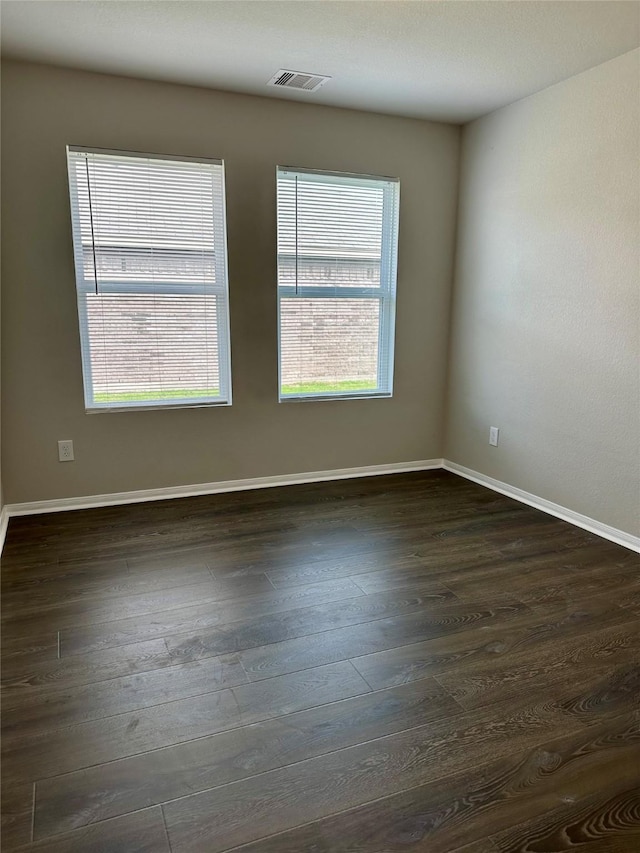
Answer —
(347, 385)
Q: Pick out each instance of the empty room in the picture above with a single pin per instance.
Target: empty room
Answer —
(320, 426)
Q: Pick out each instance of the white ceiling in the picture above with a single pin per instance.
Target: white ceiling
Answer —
(450, 60)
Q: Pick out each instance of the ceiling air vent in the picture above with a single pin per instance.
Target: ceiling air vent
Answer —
(298, 80)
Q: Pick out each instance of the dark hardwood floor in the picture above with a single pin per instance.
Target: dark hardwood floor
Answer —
(401, 663)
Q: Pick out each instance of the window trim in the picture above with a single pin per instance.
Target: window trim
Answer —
(85, 288)
(385, 293)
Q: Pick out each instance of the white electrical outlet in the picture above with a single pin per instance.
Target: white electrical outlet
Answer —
(65, 451)
(494, 432)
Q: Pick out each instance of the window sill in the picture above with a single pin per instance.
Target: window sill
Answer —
(316, 398)
(110, 410)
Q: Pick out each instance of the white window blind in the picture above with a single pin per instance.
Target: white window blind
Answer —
(149, 240)
(337, 257)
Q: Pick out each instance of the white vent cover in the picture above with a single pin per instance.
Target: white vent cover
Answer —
(298, 80)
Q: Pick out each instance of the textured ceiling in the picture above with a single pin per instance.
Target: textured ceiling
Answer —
(451, 61)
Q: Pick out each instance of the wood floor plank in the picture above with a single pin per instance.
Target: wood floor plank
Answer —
(606, 823)
(66, 802)
(350, 642)
(511, 544)
(303, 573)
(282, 799)
(20, 619)
(85, 669)
(24, 561)
(485, 845)
(70, 671)
(631, 601)
(38, 755)
(524, 633)
(109, 586)
(440, 816)
(35, 648)
(471, 571)
(27, 575)
(304, 564)
(510, 522)
(200, 617)
(427, 571)
(544, 568)
(16, 811)
(481, 682)
(423, 557)
(40, 578)
(287, 551)
(249, 622)
(549, 585)
(408, 512)
(142, 832)
(618, 586)
(43, 709)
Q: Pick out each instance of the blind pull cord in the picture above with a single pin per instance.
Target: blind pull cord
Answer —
(93, 238)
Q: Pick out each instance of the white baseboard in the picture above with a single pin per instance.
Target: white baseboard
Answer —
(170, 492)
(4, 521)
(584, 521)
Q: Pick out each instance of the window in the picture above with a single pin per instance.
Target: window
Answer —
(337, 250)
(151, 274)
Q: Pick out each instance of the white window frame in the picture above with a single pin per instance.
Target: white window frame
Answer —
(87, 286)
(386, 292)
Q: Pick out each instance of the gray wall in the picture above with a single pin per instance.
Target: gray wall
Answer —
(44, 109)
(545, 335)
